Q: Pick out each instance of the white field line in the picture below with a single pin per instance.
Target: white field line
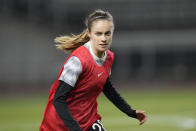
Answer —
(162, 120)
(175, 120)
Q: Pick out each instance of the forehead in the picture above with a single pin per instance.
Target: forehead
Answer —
(101, 26)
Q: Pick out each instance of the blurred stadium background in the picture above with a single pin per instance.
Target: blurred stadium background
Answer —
(154, 68)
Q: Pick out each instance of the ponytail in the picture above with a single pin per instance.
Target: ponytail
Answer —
(70, 43)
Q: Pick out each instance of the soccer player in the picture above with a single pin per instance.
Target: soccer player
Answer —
(72, 102)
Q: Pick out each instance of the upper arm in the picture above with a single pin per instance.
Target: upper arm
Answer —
(72, 70)
(106, 86)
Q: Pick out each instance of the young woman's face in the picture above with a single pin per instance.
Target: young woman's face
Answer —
(101, 35)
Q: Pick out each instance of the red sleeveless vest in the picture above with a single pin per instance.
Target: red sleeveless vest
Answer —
(82, 100)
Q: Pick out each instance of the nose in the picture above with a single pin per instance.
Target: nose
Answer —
(103, 38)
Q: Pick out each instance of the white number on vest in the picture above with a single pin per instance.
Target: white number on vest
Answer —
(96, 125)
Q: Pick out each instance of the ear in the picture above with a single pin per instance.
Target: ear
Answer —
(88, 33)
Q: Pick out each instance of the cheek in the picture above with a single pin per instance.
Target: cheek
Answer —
(95, 38)
(109, 38)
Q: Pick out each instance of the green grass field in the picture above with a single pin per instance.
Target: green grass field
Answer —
(167, 110)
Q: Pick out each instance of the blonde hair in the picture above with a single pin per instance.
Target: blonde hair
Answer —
(70, 43)
(66, 43)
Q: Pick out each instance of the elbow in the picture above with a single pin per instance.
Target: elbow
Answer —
(58, 101)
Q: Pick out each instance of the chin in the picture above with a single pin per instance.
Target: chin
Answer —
(103, 49)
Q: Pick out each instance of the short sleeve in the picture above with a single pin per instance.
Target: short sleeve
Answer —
(72, 70)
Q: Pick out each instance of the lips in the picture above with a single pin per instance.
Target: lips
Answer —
(103, 45)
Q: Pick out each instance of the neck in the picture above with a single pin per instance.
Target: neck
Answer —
(99, 54)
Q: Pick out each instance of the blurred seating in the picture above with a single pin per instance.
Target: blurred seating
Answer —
(153, 40)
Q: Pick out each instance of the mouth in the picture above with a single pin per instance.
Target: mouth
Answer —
(104, 45)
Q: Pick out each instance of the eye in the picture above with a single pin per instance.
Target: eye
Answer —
(98, 33)
(108, 33)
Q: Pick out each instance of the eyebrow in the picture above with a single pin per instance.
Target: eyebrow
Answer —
(102, 32)
(98, 32)
(108, 32)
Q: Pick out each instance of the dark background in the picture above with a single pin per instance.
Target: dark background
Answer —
(154, 41)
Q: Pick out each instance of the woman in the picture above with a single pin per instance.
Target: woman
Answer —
(72, 104)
